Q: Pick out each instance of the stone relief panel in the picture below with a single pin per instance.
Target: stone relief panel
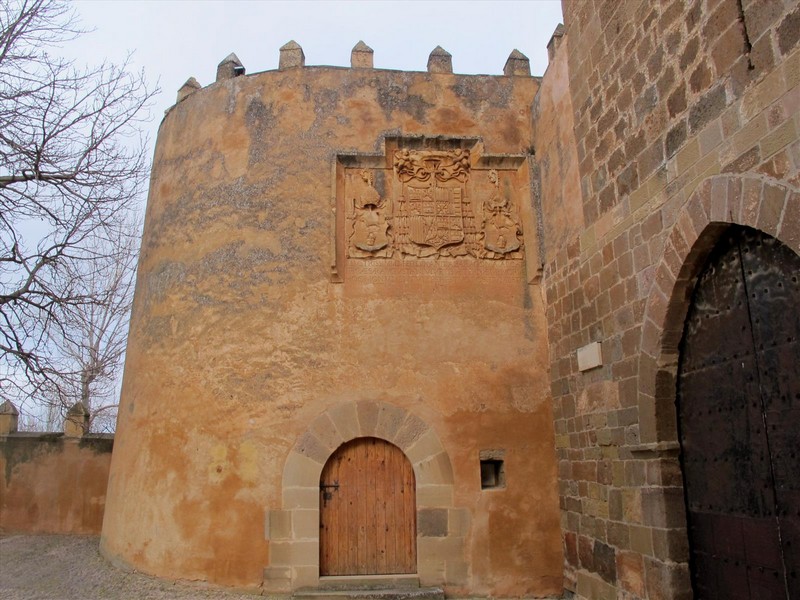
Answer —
(434, 216)
(369, 218)
(431, 203)
(500, 227)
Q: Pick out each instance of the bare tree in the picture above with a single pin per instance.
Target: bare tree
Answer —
(72, 167)
(90, 346)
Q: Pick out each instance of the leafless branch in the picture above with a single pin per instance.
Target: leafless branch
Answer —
(73, 167)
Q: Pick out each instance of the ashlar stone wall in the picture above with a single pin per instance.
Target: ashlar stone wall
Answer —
(685, 117)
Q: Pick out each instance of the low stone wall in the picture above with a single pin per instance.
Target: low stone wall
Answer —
(53, 482)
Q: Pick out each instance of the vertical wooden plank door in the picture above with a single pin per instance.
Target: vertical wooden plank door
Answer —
(367, 511)
(739, 419)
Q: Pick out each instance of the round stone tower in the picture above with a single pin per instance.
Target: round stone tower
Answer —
(337, 363)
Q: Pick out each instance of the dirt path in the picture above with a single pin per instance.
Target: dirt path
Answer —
(60, 567)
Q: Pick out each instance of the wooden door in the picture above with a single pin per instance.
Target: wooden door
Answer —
(739, 419)
(368, 519)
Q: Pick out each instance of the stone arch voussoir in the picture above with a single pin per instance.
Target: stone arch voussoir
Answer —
(293, 531)
(345, 422)
(751, 200)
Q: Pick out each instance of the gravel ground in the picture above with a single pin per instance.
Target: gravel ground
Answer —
(67, 567)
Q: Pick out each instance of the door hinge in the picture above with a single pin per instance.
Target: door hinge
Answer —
(325, 489)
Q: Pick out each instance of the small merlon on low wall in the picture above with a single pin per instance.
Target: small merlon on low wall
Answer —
(52, 482)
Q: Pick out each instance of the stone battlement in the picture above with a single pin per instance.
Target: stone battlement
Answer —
(440, 61)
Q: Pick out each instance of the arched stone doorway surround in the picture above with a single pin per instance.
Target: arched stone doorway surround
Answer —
(293, 531)
(762, 203)
(769, 205)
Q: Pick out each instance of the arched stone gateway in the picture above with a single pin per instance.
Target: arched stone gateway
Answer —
(739, 420)
(294, 531)
(708, 233)
(768, 205)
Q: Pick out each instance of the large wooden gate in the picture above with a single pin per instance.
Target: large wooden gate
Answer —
(367, 511)
(739, 419)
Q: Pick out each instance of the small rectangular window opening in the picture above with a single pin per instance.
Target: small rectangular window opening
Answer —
(493, 475)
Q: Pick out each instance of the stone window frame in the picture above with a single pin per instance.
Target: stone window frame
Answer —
(293, 531)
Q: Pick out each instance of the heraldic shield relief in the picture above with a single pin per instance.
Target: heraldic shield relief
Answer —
(433, 203)
(370, 219)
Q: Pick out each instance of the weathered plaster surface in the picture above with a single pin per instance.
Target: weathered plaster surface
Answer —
(53, 484)
(240, 339)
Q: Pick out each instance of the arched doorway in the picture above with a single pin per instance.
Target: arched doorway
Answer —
(739, 420)
(367, 511)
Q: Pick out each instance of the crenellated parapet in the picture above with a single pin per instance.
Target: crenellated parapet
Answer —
(291, 56)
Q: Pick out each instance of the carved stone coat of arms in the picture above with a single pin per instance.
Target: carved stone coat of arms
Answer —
(433, 212)
(432, 203)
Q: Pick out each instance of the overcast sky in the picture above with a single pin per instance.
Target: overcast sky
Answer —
(174, 40)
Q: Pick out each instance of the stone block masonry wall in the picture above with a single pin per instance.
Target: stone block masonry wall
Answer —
(647, 76)
(686, 117)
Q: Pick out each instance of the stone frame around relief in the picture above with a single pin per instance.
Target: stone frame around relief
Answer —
(480, 201)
